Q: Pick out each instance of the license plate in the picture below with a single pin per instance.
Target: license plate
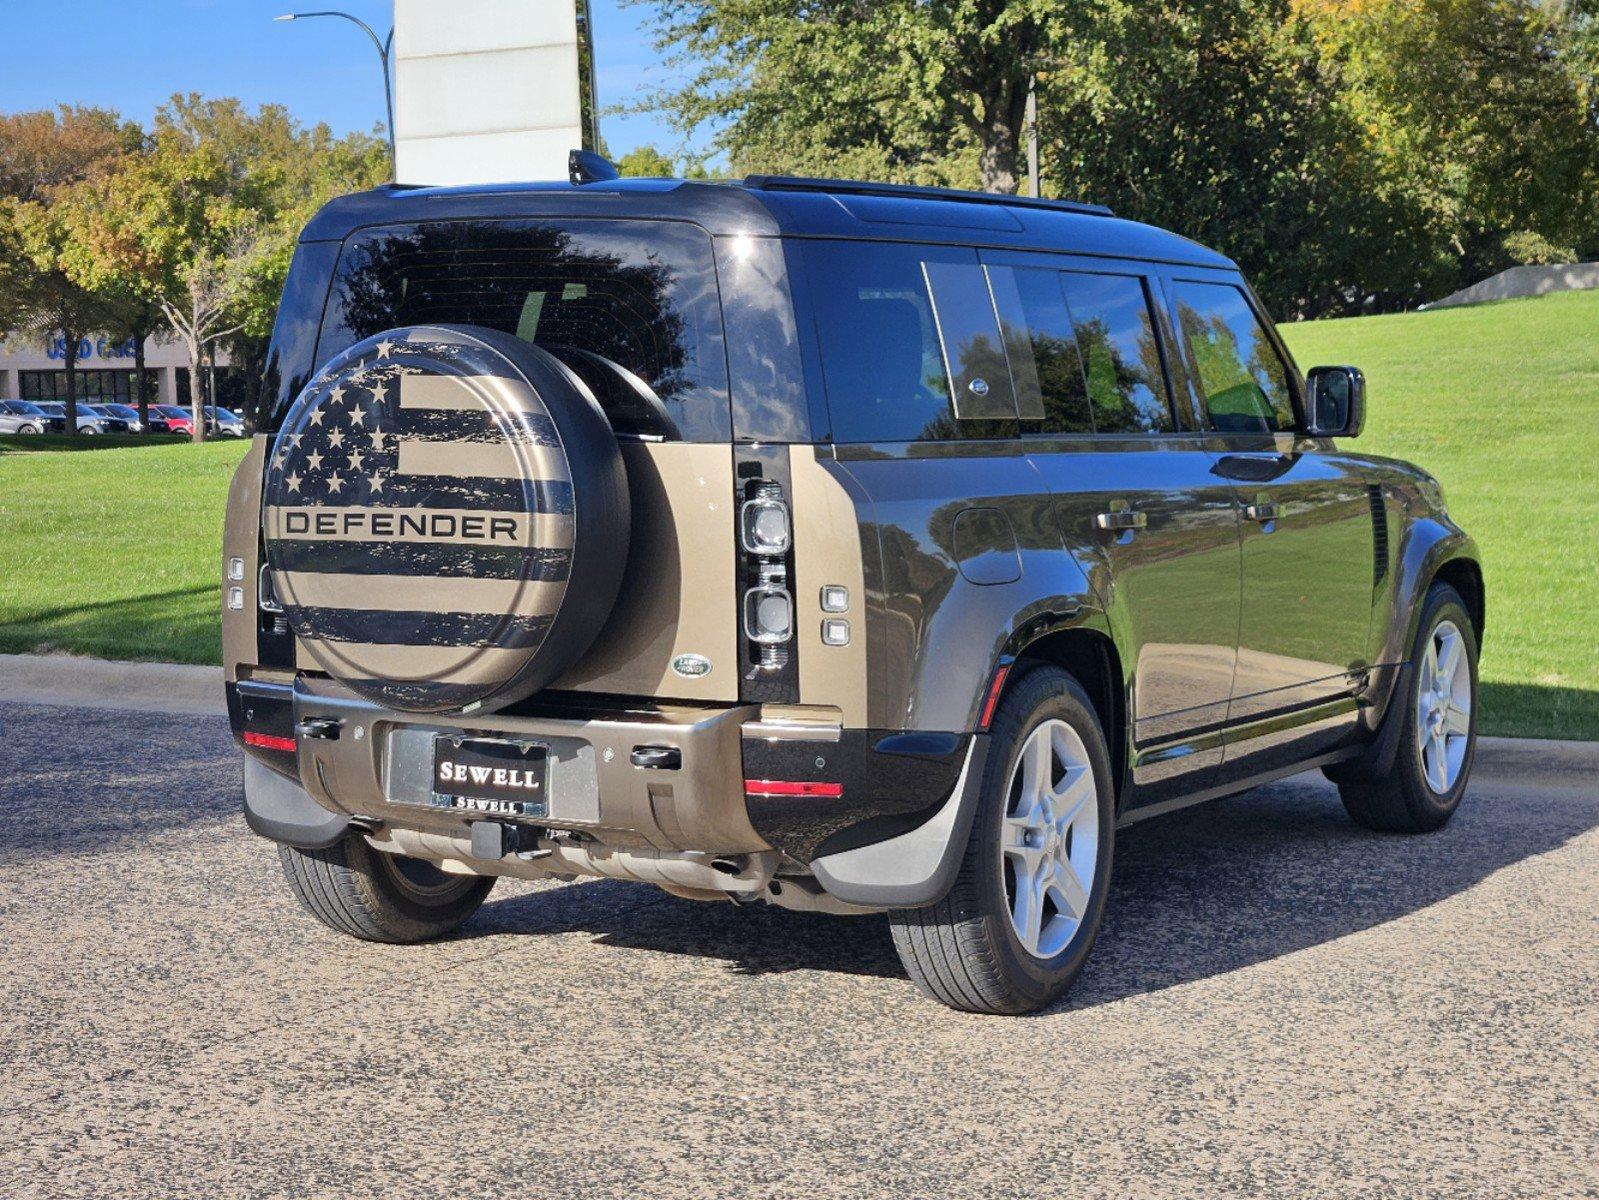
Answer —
(496, 778)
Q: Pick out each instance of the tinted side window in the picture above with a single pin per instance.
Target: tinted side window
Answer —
(974, 352)
(882, 362)
(1244, 381)
(1121, 352)
(1042, 345)
(630, 306)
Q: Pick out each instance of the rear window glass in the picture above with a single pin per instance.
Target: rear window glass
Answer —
(630, 306)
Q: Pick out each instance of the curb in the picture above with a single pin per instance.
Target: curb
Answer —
(75, 682)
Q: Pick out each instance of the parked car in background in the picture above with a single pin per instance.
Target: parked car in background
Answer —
(121, 418)
(21, 416)
(110, 422)
(169, 418)
(88, 421)
(223, 422)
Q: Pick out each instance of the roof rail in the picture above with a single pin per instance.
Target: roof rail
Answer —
(853, 187)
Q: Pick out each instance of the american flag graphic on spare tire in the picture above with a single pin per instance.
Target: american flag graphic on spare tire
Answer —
(420, 516)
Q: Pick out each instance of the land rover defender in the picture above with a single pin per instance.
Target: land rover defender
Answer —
(851, 548)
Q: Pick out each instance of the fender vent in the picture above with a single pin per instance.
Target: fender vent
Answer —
(1379, 534)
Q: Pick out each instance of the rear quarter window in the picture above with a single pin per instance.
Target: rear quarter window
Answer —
(630, 306)
(910, 345)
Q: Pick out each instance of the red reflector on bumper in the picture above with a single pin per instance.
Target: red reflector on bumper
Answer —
(791, 787)
(268, 742)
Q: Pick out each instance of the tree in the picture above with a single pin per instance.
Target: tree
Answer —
(203, 224)
(51, 300)
(929, 90)
(646, 162)
(44, 156)
(1484, 113)
(44, 150)
(1350, 154)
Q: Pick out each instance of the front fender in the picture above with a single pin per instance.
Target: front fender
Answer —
(1429, 544)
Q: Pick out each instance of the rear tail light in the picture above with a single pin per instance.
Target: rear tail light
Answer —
(768, 614)
(764, 524)
(765, 531)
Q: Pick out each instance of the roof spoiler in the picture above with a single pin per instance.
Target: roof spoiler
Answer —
(852, 187)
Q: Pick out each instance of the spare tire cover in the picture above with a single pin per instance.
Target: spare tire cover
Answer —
(446, 518)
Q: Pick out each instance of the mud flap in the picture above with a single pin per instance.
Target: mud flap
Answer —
(916, 868)
(279, 809)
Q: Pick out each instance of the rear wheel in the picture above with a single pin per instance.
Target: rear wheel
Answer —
(30, 429)
(1438, 735)
(380, 897)
(1016, 927)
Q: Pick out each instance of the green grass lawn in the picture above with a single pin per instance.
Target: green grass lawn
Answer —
(114, 549)
(1501, 403)
(116, 552)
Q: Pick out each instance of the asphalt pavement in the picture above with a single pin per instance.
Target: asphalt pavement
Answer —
(1280, 1004)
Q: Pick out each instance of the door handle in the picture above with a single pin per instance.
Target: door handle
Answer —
(1261, 510)
(1121, 518)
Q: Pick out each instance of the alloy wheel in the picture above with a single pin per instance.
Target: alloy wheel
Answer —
(1443, 708)
(1049, 840)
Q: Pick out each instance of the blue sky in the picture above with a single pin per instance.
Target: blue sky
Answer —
(131, 57)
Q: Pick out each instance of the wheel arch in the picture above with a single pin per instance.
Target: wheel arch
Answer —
(1465, 576)
(1087, 653)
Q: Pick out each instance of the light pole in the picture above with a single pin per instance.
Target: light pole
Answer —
(1032, 136)
(382, 48)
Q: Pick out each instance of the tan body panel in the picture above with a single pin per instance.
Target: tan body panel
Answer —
(827, 551)
(241, 530)
(678, 593)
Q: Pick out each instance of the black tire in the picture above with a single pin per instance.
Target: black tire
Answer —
(380, 897)
(964, 951)
(1402, 800)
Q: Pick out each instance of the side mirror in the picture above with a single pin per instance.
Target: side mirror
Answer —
(1335, 402)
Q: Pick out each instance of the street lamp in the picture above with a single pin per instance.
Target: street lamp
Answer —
(382, 48)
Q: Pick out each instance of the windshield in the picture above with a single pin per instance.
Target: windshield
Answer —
(630, 306)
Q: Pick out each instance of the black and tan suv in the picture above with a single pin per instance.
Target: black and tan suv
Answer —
(849, 548)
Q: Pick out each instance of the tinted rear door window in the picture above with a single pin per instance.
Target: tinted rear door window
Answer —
(630, 306)
(1120, 349)
(1042, 345)
(1243, 379)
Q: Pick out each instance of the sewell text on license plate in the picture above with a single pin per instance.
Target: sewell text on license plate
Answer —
(494, 777)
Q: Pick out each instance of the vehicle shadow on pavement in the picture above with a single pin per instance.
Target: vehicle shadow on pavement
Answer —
(80, 781)
(1196, 894)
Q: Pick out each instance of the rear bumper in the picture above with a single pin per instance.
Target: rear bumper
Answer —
(799, 794)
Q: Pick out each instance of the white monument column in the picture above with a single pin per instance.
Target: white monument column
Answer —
(489, 91)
